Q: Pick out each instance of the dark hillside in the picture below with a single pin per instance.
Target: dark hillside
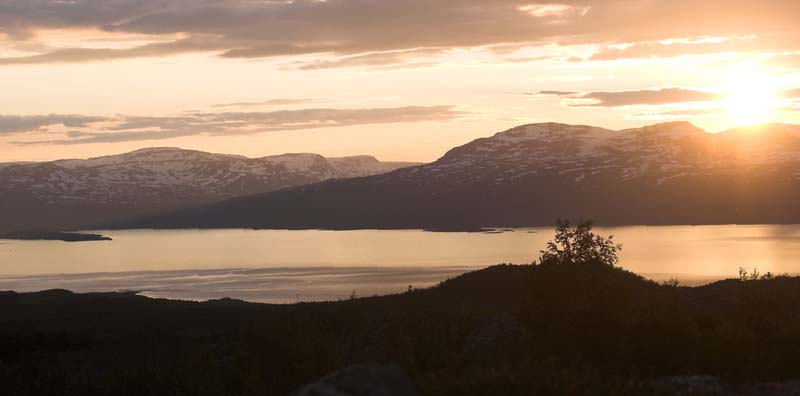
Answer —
(547, 329)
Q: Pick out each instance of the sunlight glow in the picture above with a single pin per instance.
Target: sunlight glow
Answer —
(751, 98)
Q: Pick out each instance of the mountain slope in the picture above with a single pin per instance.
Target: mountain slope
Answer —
(672, 173)
(70, 193)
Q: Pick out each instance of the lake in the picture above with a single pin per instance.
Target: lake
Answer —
(312, 265)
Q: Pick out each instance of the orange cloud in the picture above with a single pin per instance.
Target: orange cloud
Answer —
(659, 96)
(249, 29)
(136, 128)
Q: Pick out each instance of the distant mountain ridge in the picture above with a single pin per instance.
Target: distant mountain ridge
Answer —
(70, 193)
(670, 173)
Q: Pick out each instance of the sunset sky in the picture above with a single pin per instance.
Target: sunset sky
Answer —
(401, 80)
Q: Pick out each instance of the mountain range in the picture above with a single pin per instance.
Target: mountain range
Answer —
(669, 173)
(75, 193)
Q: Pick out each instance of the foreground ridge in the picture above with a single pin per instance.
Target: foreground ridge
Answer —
(587, 328)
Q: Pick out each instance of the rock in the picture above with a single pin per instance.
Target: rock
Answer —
(362, 380)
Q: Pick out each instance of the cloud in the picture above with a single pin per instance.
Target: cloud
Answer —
(656, 97)
(647, 97)
(791, 94)
(676, 47)
(271, 102)
(558, 93)
(10, 124)
(676, 114)
(136, 128)
(79, 55)
(375, 60)
(787, 60)
(345, 28)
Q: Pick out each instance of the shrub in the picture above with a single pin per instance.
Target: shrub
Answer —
(579, 244)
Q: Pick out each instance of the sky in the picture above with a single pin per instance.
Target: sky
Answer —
(403, 80)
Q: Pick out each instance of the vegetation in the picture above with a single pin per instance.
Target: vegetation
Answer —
(571, 325)
(580, 245)
(745, 275)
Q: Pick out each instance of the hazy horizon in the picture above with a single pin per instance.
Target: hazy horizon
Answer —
(755, 127)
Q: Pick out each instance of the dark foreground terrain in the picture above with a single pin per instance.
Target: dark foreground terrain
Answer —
(565, 329)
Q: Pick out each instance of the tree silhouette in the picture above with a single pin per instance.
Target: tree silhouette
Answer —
(579, 244)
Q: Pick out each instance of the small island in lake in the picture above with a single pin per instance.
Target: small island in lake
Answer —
(53, 236)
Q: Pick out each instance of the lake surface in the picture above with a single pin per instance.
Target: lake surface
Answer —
(287, 266)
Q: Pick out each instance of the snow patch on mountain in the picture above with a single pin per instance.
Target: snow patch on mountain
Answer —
(660, 152)
(168, 173)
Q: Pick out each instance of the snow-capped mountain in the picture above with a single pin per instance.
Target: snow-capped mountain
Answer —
(79, 192)
(586, 155)
(671, 173)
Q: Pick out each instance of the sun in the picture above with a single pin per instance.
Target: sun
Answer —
(751, 99)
